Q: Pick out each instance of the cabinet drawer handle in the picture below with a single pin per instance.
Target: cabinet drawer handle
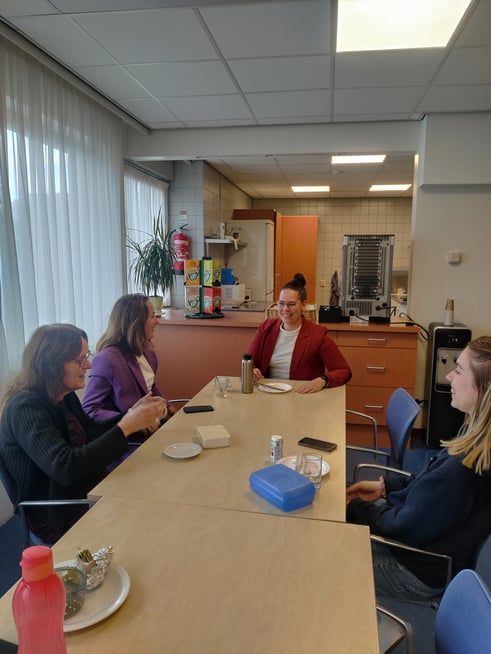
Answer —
(377, 340)
(377, 407)
(376, 368)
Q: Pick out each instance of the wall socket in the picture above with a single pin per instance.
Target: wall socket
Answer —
(322, 283)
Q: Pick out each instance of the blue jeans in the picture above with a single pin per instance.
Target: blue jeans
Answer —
(392, 578)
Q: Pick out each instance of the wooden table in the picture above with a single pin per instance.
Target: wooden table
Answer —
(220, 477)
(211, 581)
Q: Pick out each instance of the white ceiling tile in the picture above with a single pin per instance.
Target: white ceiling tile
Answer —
(466, 66)
(64, 39)
(282, 73)
(184, 78)
(209, 107)
(149, 110)
(270, 29)
(150, 36)
(376, 100)
(287, 104)
(409, 68)
(457, 98)
(9, 8)
(478, 29)
(113, 81)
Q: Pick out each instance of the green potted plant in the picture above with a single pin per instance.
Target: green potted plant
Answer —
(152, 265)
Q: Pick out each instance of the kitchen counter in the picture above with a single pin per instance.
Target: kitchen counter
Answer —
(193, 350)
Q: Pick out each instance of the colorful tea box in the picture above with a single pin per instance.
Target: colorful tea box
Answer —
(212, 272)
(191, 298)
(191, 272)
(212, 299)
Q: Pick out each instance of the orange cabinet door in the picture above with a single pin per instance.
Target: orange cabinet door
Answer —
(296, 251)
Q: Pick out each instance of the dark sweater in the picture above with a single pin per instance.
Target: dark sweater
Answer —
(40, 462)
(445, 509)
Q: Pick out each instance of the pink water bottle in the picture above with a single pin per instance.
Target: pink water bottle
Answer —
(39, 604)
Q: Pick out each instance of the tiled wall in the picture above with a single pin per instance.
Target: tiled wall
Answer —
(210, 199)
(351, 216)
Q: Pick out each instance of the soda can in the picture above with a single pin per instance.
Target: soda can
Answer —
(276, 448)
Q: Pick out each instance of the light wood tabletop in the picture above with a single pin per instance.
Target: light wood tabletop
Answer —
(220, 477)
(212, 581)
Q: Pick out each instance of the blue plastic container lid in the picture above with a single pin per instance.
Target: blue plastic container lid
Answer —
(283, 487)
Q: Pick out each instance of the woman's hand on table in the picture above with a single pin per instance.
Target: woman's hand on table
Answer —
(312, 386)
(369, 491)
(145, 414)
(257, 375)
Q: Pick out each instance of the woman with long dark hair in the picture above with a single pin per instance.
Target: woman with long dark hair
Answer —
(49, 448)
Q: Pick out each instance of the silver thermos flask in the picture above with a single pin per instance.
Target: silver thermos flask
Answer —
(246, 378)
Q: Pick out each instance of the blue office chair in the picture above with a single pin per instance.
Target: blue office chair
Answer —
(401, 414)
(463, 619)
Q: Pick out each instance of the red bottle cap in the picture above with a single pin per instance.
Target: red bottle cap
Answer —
(37, 563)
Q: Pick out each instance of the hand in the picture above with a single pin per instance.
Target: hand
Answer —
(145, 414)
(257, 374)
(369, 491)
(313, 386)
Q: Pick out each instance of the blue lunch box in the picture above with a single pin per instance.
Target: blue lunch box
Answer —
(286, 489)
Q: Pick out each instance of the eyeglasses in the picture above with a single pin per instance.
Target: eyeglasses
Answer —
(83, 360)
(290, 305)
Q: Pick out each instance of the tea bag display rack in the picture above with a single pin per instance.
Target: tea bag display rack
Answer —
(202, 287)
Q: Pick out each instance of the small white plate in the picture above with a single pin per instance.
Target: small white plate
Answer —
(101, 602)
(274, 387)
(290, 462)
(182, 450)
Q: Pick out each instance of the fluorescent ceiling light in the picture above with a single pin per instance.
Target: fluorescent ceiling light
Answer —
(397, 24)
(310, 189)
(389, 187)
(357, 158)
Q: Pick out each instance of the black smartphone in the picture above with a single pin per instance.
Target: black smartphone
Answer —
(198, 408)
(317, 444)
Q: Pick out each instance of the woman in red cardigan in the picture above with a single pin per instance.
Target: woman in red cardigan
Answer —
(292, 347)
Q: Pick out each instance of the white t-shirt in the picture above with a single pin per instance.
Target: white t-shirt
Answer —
(148, 373)
(279, 366)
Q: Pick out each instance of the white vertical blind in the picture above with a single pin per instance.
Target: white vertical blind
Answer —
(61, 233)
(144, 197)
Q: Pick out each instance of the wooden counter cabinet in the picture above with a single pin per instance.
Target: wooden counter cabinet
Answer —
(382, 358)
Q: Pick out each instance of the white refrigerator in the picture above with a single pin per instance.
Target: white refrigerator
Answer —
(253, 265)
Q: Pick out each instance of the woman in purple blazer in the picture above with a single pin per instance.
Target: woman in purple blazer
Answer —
(123, 370)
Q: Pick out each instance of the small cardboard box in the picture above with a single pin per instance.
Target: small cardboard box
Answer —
(212, 272)
(191, 272)
(211, 436)
(212, 300)
(283, 487)
(191, 298)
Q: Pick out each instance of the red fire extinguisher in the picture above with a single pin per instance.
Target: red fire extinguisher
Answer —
(180, 243)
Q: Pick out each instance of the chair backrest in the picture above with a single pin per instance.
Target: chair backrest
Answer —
(483, 561)
(6, 506)
(463, 620)
(401, 414)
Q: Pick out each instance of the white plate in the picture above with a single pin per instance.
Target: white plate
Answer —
(101, 602)
(290, 462)
(182, 450)
(274, 387)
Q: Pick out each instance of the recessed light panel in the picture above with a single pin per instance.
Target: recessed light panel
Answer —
(389, 187)
(397, 24)
(357, 158)
(311, 189)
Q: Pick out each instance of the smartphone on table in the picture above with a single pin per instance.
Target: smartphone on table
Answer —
(317, 444)
(197, 408)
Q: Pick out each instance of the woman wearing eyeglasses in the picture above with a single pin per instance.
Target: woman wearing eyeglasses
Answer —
(123, 370)
(292, 347)
(49, 448)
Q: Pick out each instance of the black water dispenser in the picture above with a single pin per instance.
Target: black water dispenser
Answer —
(445, 343)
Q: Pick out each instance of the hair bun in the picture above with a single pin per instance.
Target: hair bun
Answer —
(299, 279)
